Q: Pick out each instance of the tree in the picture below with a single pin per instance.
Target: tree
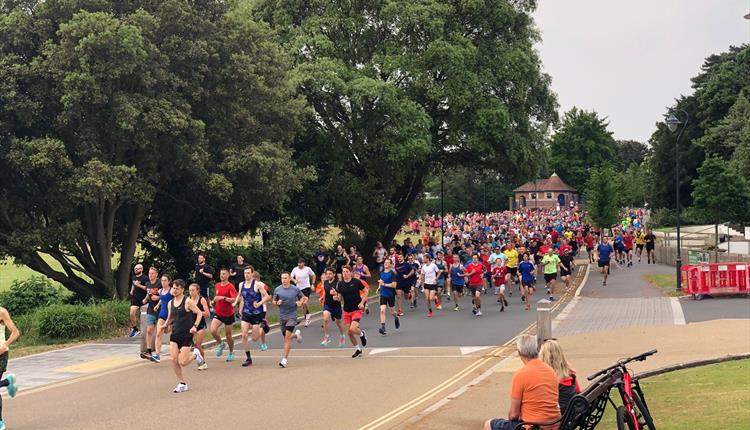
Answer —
(603, 198)
(399, 88)
(464, 190)
(118, 114)
(719, 194)
(730, 137)
(581, 143)
(630, 152)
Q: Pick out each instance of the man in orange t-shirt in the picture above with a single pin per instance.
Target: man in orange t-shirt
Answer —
(534, 391)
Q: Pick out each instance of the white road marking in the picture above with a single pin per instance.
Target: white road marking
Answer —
(678, 315)
(382, 350)
(471, 349)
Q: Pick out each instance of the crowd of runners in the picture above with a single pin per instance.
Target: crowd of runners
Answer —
(450, 262)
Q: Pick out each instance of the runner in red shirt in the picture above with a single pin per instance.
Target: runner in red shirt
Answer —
(590, 241)
(484, 256)
(224, 314)
(475, 270)
(498, 282)
(627, 241)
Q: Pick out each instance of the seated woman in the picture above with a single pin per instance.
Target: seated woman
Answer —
(551, 353)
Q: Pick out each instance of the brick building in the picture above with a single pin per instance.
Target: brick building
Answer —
(544, 193)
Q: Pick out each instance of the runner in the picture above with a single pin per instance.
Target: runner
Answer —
(498, 282)
(387, 290)
(604, 252)
(457, 280)
(627, 242)
(475, 272)
(137, 295)
(412, 261)
(511, 263)
(650, 246)
(264, 322)
(619, 248)
(152, 313)
(640, 242)
(165, 296)
(203, 275)
(339, 260)
(379, 254)
(429, 273)
(224, 314)
(321, 260)
(237, 270)
(303, 277)
(527, 269)
(566, 268)
(590, 242)
(550, 264)
(288, 297)
(404, 273)
(348, 290)
(9, 381)
(251, 298)
(443, 272)
(331, 307)
(184, 319)
(201, 304)
(362, 272)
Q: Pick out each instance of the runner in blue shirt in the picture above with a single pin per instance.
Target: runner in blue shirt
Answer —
(387, 288)
(604, 254)
(526, 269)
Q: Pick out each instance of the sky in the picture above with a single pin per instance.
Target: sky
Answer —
(629, 60)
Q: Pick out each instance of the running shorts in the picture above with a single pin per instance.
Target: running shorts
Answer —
(405, 288)
(334, 311)
(287, 326)
(475, 289)
(649, 247)
(181, 341)
(639, 246)
(137, 298)
(548, 277)
(457, 288)
(349, 317)
(564, 272)
(253, 319)
(513, 271)
(431, 287)
(307, 292)
(4, 362)
(628, 249)
(603, 263)
(528, 282)
(388, 301)
(225, 320)
(151, 319)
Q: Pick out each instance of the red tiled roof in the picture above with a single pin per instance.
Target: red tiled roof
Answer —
(553, 183)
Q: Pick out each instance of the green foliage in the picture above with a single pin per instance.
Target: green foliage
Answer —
(636, 186)
(398, 87)
(122, 120)
(68, 321)
(630, 152)
(581, 143)
(287, 241)
(26, 296)
(603, 200)
(720, 195)
(465, 189)
(663, 217)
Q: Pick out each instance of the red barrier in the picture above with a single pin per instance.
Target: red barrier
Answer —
(715, 279)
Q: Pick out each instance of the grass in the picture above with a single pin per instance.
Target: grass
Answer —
(707, 397)
(665, 282)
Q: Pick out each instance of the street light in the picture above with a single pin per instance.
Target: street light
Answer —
(672, 123)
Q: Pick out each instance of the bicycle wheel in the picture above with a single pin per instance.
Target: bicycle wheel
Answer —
(624, 420)
(642, 412)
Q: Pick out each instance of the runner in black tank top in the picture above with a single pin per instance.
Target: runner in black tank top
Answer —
(202, 305)
(185, 318)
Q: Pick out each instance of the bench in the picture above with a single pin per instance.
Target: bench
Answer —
(584, 411)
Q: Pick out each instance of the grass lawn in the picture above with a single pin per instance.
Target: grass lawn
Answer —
(708, 397)
(665, 282)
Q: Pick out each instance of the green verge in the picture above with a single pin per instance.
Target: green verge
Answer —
(708, 397)
(665, 282)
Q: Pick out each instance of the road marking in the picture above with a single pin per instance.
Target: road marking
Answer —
(679, 316)
(98, 365)
(382, 350)
(471, 349)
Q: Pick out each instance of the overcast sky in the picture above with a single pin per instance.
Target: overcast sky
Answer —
(628, 60)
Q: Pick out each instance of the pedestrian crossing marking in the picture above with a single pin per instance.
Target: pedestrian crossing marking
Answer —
(465, 350)
(382, 350)
(98, 365)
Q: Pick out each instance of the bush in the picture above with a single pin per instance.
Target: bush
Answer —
(663, 217)
(69, 321)
(26, 296)
(115, 314)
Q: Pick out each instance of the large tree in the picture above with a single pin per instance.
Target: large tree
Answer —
(603, 197)
(719, 194)
(112, 112)
(581, 143)
(630, 152)
(399, 87)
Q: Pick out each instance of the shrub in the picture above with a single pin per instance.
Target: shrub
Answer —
(663, 217)
(26, 296)
(68, 321)
(115, 314)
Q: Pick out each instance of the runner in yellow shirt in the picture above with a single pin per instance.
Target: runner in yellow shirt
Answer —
(640, 241)
(512, 265)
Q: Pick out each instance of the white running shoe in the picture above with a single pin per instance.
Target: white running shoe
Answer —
(198, 357)
(479, 312)
(203, 366)
(282, 363)
(307, 320)
(299, 335)
(180, 388)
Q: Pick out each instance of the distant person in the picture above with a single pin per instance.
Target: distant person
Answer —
(10, 381)
(551, 353)
(203, 275)
(650, 246)
(604, 254)
(534, 390)
(321, 260)
(237, 271)
(303, 277)
(138, 283)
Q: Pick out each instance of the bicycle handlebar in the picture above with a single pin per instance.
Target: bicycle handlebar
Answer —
(621, 363)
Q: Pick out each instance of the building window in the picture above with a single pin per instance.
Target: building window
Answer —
(549, 195)
(533, 196)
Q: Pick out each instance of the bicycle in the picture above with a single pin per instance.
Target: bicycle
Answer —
(634, 413)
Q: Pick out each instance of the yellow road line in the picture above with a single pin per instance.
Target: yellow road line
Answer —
(97, 365)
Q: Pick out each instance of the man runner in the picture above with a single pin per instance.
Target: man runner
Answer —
(650, 246)
(9, 381)
(331, 307)
(387, 289)
(550, 264)
(527, 269)
(224, 314)
(475, 272)
(640, 242)
(348, 290)
(288, 297)
(303, 277)
(429, 273)
(511, 264)
(566, 268)
(138, 283)
(203, 275)
(603, 254)
(152, 314)
(457, 280)
(404, 272)
(251, 298)
(184, 318)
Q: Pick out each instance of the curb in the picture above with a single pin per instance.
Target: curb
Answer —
(692, 364)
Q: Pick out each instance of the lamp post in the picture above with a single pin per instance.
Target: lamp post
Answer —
(672, 123)
(442, 209)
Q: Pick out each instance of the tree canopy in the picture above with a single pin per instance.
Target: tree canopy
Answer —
(719, 194)
(603, 198)
(115, 113)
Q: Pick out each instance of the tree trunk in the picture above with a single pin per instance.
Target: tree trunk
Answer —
(178, 246)
(79, 287)
(129, 238)
(716, 243)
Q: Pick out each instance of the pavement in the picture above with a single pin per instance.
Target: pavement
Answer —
(449, 371)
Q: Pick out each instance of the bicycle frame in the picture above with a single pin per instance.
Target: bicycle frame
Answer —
(626, 392)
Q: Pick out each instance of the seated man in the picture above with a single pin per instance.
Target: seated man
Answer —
(533, 394)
